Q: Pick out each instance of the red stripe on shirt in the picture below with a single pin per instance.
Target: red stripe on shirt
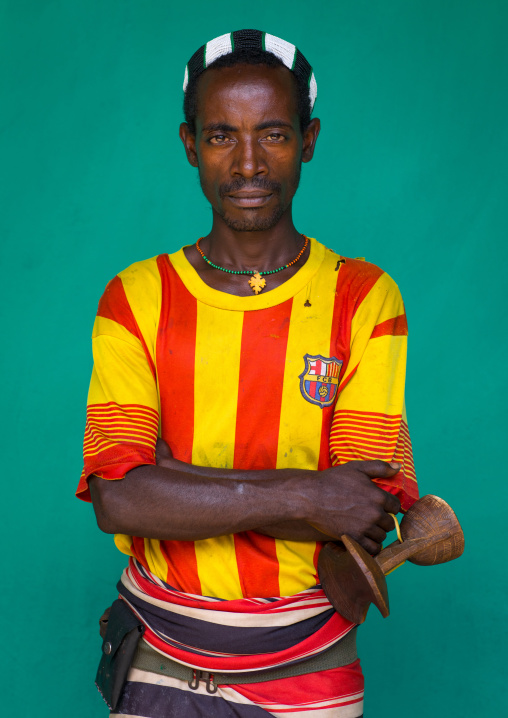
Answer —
(354, 282)
(317, 550)
(177, 574)
(177, 328)
(114, 305)
(396, 327)
(263, 356)
(258, 566)
(180, 557)
(355, 279)
(138, 550)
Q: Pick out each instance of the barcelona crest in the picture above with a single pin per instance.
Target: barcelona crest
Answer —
(319, 380)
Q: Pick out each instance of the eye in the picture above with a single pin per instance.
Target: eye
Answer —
(219, 140)
(275, 137)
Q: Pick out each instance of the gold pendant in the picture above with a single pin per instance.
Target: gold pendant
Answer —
(257, 283)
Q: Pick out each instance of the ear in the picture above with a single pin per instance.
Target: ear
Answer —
(309, 139)
(189, 142)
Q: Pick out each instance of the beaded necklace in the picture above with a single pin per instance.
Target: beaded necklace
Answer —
(257, 282)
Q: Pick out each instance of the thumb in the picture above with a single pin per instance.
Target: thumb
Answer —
(378, 469)
(162, 450)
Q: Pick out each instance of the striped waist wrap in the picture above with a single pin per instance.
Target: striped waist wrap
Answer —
(239, 636)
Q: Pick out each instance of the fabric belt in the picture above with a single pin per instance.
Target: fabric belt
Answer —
(341, 654)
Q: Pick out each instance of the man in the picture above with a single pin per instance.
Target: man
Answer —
(272, 369)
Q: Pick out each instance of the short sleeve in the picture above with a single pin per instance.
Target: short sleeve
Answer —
(370, 418)
(122, 409)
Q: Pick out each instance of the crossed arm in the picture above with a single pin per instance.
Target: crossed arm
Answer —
(177, 501)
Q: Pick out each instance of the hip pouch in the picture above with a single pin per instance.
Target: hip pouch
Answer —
(123, 631)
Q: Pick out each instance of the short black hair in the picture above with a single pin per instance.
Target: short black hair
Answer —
(246, 56)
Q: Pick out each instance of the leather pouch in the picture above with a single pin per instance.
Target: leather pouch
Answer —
(122, 636)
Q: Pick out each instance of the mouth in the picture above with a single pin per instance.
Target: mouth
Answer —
(255, 198)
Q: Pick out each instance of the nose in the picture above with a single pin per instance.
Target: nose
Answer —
(248, 158)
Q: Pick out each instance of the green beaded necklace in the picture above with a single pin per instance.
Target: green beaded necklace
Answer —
(257, 282)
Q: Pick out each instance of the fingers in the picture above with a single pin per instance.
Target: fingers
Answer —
(376, 469)
(386, 522)
(381, 522)
(162, 451)
(391, 504)
(376, 533)
(357, 506)
(370, 546)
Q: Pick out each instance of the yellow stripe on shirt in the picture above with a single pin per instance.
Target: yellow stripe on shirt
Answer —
(217, 371)
(143, 289)
(300, 421)
(309, 333)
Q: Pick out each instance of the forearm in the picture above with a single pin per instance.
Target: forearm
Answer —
(163, 503)
(291, 530)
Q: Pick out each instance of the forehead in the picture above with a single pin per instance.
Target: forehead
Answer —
(246, 92)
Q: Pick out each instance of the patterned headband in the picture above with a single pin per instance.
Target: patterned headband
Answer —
(290, 55)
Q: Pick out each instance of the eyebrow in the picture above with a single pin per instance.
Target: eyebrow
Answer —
(219, 126)
(223, 127)
(274, 123)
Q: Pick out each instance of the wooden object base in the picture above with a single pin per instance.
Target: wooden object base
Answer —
(352, 579)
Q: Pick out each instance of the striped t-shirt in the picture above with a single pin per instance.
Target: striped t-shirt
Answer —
(306, 376)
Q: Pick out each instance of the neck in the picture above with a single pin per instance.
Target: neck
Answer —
(260, 250)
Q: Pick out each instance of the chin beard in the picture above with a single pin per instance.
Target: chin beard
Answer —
(253, 223)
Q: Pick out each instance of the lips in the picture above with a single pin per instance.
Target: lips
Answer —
(253, 198)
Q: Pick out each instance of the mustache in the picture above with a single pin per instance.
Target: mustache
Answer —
(240, 183)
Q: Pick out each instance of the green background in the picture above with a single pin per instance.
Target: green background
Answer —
(410, 171)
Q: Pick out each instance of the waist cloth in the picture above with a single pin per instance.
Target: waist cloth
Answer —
(247, 658)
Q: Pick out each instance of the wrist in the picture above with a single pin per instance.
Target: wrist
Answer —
(302, 496)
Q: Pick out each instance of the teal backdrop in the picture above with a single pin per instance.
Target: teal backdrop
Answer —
(410, 172)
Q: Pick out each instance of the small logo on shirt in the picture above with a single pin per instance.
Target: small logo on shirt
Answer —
(319, 380)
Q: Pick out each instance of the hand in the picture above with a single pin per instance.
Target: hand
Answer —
(296, 530)
(348, 502)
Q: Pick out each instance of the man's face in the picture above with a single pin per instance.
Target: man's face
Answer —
(248, 145)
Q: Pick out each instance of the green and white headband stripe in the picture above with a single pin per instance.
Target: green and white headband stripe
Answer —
(288, 53)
